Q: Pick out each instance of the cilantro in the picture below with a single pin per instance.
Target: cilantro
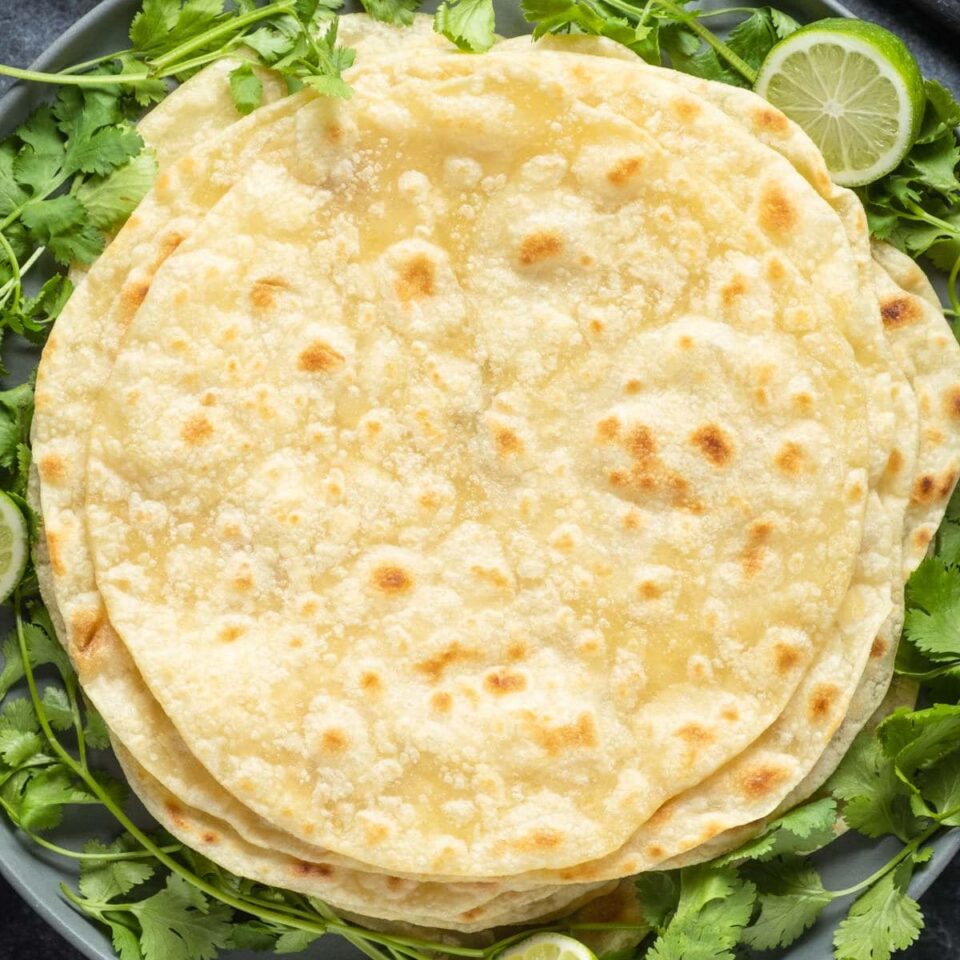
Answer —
(875, 800)
(714, 906)
(470, 24)
(246, 88)
(791, 898)
(106, 879)
(885, 919)
(804, 829)
(392, 11)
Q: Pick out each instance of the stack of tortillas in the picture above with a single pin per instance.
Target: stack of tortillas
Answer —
(465, 495)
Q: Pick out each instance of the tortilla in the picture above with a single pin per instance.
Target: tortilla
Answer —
(412, 582)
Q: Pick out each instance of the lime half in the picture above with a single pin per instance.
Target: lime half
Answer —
(854, 88)
(548, 946)
(14, 545)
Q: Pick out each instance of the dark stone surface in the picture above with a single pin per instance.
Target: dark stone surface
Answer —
(28, 26)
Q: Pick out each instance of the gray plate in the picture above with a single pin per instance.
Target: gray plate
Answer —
(37, 875)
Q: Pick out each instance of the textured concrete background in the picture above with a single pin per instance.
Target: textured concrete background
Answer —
(28, 26)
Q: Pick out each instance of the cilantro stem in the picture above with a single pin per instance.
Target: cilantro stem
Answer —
(907, 851)
(692, 21)
(15, 280)
(83, 80)
(226, 29)
(87, 64)
(78, 855)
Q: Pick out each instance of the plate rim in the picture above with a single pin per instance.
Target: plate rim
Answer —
(75, 928)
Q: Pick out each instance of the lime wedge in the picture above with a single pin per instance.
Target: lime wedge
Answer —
(854, 88)
(548, 946)
(14, 546)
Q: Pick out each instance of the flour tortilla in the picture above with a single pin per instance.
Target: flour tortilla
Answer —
(477, 855)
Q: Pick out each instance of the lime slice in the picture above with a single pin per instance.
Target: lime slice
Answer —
(14, 542)
(854, 88)
(548, 946)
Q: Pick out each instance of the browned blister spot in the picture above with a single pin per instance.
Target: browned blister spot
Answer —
(632, 387)
(655, 852)
(777, 213)
(768, 120)
(416, 278)
(685, 109)
(751, 557)
(131, 298)
(539, 839)
(334, 740)
(175, 813)
(504, 681)
(694, 734)
(557, 740)
(922, 538)
(516, 651)
(730, 713)
(53, 468)
(608, 429)
(169, 245)
(951, 402)
(878, 648)
(685, 342)
(761, 781)
(648, 474)
(391, 579)
(319, 357)
(894, 463)
(84, 626)
(304, 869)
(209, 837)
(775, 270)
(508, 442)
(433, 668)
(197, 429)
(264, 292)
(789, 458)
(396, 883)
(537, 247)
(946, 483)
(822, 700)
(787, 657)
(623, 171)
(900, 311)
(633, 520)
(55, 552)
(208, 399)
(230, 633)
(441, 701)
(731, 291)
(242, 582)
(714, 444)
(925, 489)
(474, 913)
(370, 682)
(649, 590)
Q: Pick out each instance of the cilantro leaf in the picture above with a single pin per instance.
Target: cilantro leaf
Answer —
(801, 830)
(917, 739)
(791, 898)
(392, 11)
(469, 24)
(715, 905)
(932, 622)
(659, 894)
(940, 785)
(45, 796)
(163, 25)
(876, 801)
(63, 227)
(56, 706)
(95, 732)
(885, 919)
(246, 89)
(105, 880)
(295, 941)
(125, 941)
(179, 923)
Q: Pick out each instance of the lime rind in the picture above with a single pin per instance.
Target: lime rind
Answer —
(14, 546)
(854, 88)
(548, 946)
